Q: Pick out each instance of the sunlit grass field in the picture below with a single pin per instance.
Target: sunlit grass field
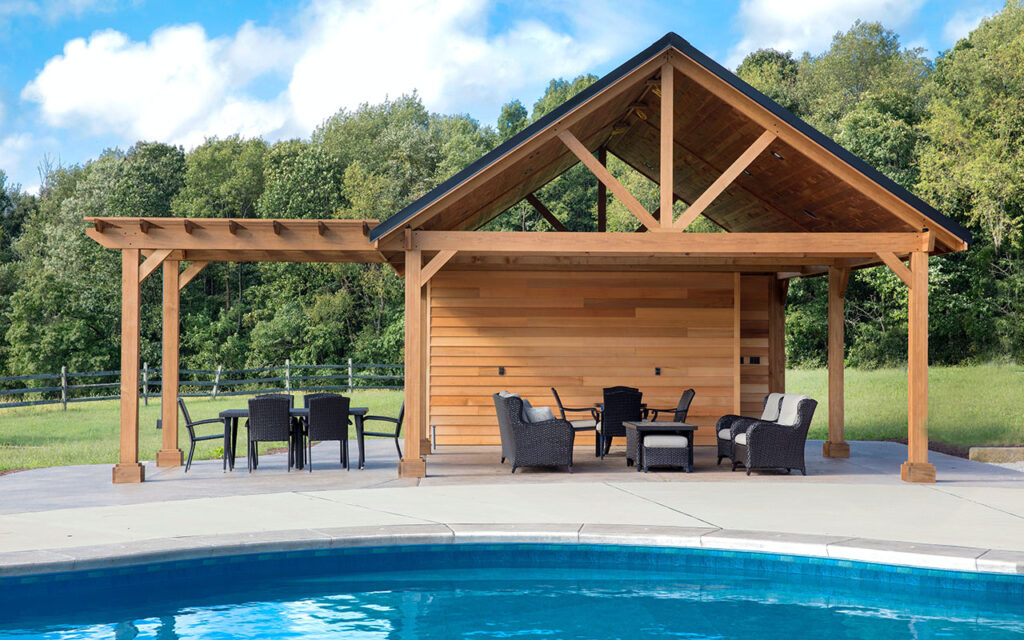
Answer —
(88, 432)
(968, 406)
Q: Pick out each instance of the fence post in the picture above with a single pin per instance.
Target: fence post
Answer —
(288, 375)
(350, 375)
(216, 381)
(64, 386)
(145, 383)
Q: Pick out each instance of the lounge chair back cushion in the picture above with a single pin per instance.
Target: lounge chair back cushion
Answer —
(771, 407)
(538, 414)
(788, 411)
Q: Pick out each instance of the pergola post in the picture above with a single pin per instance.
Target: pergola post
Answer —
(836, 445)
(170, 454)
(917, 468)
(412, 464)
(128, 468)
(777, 335)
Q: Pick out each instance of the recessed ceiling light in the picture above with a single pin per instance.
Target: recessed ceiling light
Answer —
(747, 172)
(776, 155)
(810, 214)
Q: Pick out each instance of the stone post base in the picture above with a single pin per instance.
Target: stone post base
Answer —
(917, 472)
(835, 449)
(129, 472)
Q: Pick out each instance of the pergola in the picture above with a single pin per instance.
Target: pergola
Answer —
(706, 307)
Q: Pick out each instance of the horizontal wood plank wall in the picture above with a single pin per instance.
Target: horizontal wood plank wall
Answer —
(754, 327)
(581, 332)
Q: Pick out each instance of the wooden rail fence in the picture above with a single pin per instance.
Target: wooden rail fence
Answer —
(67, 387)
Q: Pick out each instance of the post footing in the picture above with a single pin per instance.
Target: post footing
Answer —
(169, 458)
(425, 445)
(412, 468)
(835, 449)
(917, 472)
(129, 472)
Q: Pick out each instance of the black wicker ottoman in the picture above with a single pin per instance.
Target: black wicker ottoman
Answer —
(667, 451)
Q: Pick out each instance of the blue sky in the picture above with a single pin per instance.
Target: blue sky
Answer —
(79, 76)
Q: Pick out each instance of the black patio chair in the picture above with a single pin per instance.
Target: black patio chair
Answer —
(585, 424)
(532, 444)
(724, 431)
(328, 420)
(269, 421)
(191, 425)
(621, 404)
(679, 413)
(778, 444)
(396, 434)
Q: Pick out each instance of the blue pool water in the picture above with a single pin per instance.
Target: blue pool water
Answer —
(513, 591)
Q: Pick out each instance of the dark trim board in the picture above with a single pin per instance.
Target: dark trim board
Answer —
(669, 40)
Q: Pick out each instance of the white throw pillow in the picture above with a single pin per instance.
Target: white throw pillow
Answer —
(788, 413)
(539, 414)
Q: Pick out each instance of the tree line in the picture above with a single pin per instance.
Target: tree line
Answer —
(950, 129)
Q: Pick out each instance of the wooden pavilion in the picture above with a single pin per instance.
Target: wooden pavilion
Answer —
(661, 310)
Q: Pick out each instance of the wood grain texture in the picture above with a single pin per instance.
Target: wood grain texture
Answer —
(917, 467)
(837, 281)
(170, 454)
(583, 331)
(414, 366)
(128, 468)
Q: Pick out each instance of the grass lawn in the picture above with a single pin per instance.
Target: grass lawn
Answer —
(87, 433)
(968, 406)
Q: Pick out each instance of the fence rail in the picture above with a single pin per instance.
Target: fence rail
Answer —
(71, 387)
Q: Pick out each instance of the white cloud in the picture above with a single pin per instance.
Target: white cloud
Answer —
(52, 10)
(962, 23)
(808, 25)
(181, 85)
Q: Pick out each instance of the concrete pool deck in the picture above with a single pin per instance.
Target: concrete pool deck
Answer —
(854, 509)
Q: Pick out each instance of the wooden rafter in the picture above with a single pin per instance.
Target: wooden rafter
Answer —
(602, 193)
(545, 212)
(724, 180)
(608, 179)
(150, 264)
(825, 245)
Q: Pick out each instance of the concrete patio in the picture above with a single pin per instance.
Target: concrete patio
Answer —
(974, 513)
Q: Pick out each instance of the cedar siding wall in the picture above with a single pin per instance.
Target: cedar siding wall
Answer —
(581, 331)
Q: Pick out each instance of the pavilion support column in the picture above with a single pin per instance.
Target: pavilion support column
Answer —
(128, 468)
(424, 366)
(737, 370)
(170, 454)
(917, 468)
(777, 335)
(836, 445)
(412, 464)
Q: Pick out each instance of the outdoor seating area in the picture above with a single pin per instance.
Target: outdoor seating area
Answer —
(535, 437)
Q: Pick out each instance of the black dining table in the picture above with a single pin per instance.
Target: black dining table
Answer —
(232, 416)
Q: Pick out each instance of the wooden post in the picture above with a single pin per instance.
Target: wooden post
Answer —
(425, 363)
(917, 468)
(737, 370)
(412, 464)
(216, 380)
(169, 454)
(128, 468)
(350, 375)
(836, 445)
(777, 335)
(602, 193)
(288, 375)
(64, 386)
(667, 170)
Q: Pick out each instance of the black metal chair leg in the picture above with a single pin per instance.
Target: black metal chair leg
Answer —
(191, 450)
(398, 448)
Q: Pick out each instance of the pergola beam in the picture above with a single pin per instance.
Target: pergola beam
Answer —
(667, 167)
(153, 261)
(190, 272)
(897, 266)
(545, 212)
(720, 245)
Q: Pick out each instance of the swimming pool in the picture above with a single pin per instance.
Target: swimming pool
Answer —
(512, 591)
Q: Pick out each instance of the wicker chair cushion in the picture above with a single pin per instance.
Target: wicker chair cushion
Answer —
(537, 414)
(788, 413)
(666, 442)
(725, 434)
(771, 407)
(583, 424)
(741, 438)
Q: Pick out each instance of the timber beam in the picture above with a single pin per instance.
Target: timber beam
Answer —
(809, 245)
(545, 213)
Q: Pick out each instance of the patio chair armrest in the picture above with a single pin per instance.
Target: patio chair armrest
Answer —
(761, 433)
(742, 425)
(207, 421)
(538, 435)
(381, 418)
(725, 422)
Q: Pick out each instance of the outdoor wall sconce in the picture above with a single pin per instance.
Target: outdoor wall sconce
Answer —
(657, 371)
(501, 371)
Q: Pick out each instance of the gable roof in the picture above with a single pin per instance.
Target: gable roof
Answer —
(752, 202)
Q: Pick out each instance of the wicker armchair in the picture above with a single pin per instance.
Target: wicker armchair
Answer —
(621, 404)
(532, 444)
(269, 421)
(723, 429)
(760, 444)
(328, 420)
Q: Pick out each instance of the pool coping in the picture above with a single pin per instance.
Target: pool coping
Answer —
(925, 556)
